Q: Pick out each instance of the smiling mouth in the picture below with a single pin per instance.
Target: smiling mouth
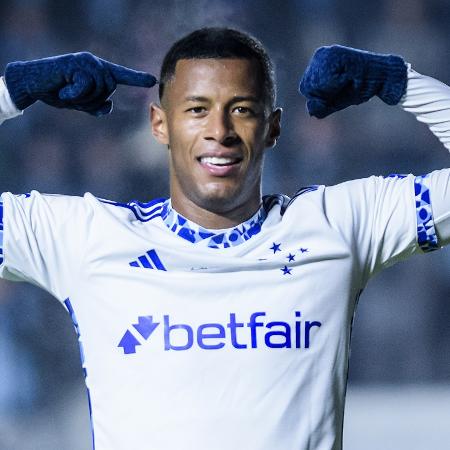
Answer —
(220, 166)
(218, 161)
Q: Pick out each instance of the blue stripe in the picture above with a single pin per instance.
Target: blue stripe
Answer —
(269, 201)
(152, 217)
(144, 213)
(148, 204)
(138, 208)
(143, 218)
(145, 262)
(156, 261)
(301, 191)
(426, 232)
(77, 329)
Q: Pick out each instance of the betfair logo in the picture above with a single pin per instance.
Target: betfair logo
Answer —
(214, 336)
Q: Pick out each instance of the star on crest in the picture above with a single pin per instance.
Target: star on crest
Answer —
(291, 257)
(303, 250)
(276, 247)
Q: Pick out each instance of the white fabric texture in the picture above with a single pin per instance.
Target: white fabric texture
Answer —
(8, 109)
(172, 359)
(429, 100)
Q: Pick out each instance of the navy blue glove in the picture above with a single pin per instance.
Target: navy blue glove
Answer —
(78, 81)
(338, 76)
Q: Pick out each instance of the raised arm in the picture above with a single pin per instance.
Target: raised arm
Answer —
(79, 81)
(337, 77)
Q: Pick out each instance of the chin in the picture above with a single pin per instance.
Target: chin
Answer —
(218, 202)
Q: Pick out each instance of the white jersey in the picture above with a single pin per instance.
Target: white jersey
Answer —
(193, 339)
(220, 339)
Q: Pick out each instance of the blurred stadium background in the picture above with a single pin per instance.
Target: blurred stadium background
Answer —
(399, 390)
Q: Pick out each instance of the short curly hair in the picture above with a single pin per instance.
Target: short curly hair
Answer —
(218, 42)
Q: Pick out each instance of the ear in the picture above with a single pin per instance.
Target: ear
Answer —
(274, 128)
(158, 120)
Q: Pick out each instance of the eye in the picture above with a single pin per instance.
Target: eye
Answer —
(197, 109)
(243, 111)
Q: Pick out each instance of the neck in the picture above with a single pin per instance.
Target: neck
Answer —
(216, 219)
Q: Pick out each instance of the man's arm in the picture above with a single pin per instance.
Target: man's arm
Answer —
(429, 100)
(43, 236)
(337, 77)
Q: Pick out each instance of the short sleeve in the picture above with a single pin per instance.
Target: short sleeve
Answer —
(386, 219)
(42, 239)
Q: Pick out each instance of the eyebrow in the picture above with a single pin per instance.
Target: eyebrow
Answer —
(248, 98)
(195, 98)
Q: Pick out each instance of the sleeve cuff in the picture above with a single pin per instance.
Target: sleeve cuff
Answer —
(426, 232)
(8, 109)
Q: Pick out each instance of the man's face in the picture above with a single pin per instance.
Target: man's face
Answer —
(216, 123)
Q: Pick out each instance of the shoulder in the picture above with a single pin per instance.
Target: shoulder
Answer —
(134, 209)
(64, 208)
(359, 187)
(337, 199)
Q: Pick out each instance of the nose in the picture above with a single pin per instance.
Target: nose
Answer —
(220, 128)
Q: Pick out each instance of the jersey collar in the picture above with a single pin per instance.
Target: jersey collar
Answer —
(224, 238)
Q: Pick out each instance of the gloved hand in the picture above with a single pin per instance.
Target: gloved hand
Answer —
(78, 81)
(338, 76)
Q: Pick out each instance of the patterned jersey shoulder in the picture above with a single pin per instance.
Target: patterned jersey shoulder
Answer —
(141, 211)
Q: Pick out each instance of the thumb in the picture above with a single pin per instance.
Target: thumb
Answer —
(319, 108)
(104, 109)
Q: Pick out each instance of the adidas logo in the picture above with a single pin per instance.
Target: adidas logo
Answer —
(148, 261)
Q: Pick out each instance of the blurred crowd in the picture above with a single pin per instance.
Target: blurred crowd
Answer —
(401, 332)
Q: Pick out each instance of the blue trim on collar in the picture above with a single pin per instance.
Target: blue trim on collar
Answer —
(229, 237)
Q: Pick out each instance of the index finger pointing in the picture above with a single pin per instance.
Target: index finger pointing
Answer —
(130, 77)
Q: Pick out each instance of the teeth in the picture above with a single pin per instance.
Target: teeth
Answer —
(217, 160)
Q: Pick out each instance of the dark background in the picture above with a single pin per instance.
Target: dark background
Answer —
(402, 328)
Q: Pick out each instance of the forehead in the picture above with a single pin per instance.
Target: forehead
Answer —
(206, 77)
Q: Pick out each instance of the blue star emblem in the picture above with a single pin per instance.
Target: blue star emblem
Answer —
(276, 247)
(286, 270)
(291, 257)
(303, 250)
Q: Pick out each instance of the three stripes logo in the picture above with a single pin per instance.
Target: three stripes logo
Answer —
(149, 260)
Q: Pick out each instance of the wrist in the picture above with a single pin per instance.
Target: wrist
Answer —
(8, 109)
(15, 79)
(393, 71)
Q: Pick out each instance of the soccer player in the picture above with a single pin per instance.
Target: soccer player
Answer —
(218, 318)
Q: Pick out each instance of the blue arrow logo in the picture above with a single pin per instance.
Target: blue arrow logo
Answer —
(128, 343)
(145, 326)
